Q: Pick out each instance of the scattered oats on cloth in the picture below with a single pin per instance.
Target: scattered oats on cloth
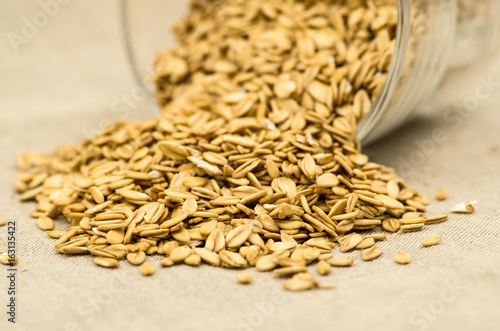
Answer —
(255, 159)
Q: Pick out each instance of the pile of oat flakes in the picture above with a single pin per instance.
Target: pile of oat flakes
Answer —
(255, 160)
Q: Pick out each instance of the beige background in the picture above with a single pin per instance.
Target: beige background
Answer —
(61, 85)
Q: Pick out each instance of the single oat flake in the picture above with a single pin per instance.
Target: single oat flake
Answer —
(441, 194)
(402, 258)
(244, 278)
(467, 207)
(431, 241)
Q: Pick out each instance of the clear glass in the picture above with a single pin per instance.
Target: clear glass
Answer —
(434, 38)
